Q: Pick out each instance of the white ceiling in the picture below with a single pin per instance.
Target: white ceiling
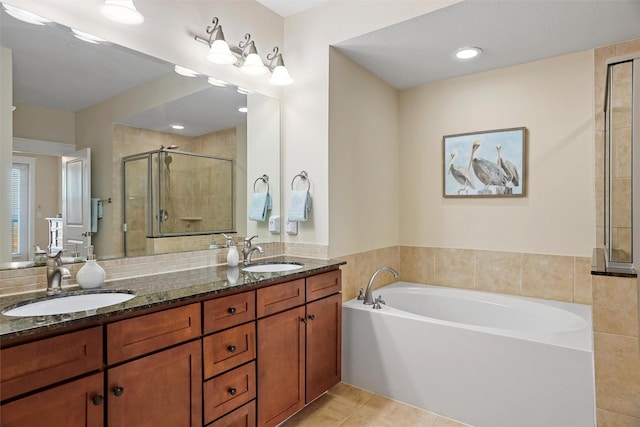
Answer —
(510, 32)
(286, 8)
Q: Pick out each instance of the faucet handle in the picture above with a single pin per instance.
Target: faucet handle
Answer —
(247, 241)
(361, 294)
(377, 302)
(55, 260)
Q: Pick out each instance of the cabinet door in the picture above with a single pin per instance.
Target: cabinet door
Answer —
(69, 405)
(280, 366)
(324, 342)
(163, 389)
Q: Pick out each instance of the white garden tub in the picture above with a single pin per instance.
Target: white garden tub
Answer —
(481, 358)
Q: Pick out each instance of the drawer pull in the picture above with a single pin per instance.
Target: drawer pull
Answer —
(312, 316)
(118, 391)
(232, 391)
(232, 310)
(97, 399)
(231, 348)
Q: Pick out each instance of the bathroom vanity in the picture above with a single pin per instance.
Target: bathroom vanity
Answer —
(244, 355)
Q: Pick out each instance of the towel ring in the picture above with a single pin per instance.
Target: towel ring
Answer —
(303, 176)
(263, 178)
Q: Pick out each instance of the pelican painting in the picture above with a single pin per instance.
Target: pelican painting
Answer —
(471, 167)
(462, 175)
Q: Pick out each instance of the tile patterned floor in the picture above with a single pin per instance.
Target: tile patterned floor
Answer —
(347, 406)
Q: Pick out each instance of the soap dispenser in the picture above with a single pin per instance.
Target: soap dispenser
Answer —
(91, 275)
(232, 254)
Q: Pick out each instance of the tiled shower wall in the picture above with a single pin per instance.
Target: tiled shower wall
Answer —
(615, 300)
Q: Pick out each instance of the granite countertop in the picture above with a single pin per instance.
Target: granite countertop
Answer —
(157, 291)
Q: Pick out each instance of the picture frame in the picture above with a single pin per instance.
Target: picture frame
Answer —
(488, 163)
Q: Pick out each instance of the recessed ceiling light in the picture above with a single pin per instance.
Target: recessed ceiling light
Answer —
(24, 16)
(122, 11)
(243, 109)
(183, 71)
(177, 127)
(86, 37)
(216, 82)
(466, 53)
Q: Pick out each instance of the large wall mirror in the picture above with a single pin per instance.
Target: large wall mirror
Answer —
(71, 94)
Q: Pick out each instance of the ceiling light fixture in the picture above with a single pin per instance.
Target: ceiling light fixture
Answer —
(122, 12)
(466, 53)
(86, 37)
(24, 16)
(216, 82)
(183, 71)
(245, 55)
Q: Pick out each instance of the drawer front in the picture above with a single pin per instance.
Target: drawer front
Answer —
(229, 391)
(130, 338)
(227, 349)
(27, 367)
(323, 285)
(277, 298)
(222, 313)
(244, 416)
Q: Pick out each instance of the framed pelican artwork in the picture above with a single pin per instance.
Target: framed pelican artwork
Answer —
(485, 164)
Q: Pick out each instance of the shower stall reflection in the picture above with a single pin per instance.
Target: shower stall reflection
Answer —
(170, 193)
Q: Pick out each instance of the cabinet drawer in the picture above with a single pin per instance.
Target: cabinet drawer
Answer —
(274, 299)
(323, 285)
(244, 416)
(140, 335)
(27, 367)
(229, 391)
(222, 313)
(227, 349)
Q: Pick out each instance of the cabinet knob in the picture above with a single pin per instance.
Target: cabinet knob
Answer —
(97, 399)
(312, 316)
(231, 348)
(303, 320)
(232, 310)
(118, 391)
(232, 391)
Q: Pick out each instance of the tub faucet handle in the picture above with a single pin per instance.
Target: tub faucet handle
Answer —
(361, 294)
(377, 302)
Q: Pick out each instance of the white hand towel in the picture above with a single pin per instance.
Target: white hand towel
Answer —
(260, 204)
(299, 206)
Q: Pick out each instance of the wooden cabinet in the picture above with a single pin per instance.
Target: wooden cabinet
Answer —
(76, 404)
(245, 416)
(163, 389)
(299, 349)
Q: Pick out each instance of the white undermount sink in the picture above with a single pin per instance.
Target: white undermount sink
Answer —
(68, 302)
(272, 267)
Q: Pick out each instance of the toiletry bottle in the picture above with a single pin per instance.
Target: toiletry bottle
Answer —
(232, 254)
(91, 275)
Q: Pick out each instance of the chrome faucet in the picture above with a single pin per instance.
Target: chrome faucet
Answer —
(368, 295)
(248, 249)
(55, 273)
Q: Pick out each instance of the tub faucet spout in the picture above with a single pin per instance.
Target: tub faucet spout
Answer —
(368, 295)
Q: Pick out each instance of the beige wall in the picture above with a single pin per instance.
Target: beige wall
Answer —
(364, 166)
(553, 99)
(45, 124)
(6, 146)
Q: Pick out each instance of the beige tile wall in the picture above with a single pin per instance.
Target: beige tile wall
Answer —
(559, 278)
(615, 300)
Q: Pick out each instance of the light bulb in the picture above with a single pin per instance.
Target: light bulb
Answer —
(122, 11)
(219, 53)
(253, 65)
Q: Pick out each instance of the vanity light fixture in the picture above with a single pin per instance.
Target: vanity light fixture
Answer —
(25, 16)
(219, 52)
(183, 71)
(245, 55)
(86, 37)
(467, 53)
(122, 12)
